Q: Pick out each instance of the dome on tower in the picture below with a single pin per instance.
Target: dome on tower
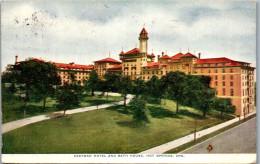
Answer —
(143, 31)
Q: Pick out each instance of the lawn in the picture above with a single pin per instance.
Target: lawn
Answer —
(13, 106)
(109, 130)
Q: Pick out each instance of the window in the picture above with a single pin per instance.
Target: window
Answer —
(209, 71)
(201, 71)
(223, 83)
(223, 77)
(216, 77)
(231, 70)
(161, 72)
(231, 77)
(231, 92)
(231, 83)
(223, 70)
(216, 71)
(224, 91)
(216, 83)
(183, 66)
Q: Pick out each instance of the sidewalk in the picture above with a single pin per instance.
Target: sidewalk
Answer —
(176, 143)
(6, 127)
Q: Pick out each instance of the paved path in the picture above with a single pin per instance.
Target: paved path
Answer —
(240, 139)
(6, 127)
(176, 143)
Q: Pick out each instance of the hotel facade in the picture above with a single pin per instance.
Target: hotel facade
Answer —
(231, 79)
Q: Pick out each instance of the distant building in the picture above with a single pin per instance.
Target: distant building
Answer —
(81, 72)
(231, 79)
(105, 65)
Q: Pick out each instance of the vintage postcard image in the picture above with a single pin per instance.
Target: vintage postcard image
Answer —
(128, 81)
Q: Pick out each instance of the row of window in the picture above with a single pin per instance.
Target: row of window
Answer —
(216, 71)
(248, 92)
(224, 92)
(224, 83)
(231, 77)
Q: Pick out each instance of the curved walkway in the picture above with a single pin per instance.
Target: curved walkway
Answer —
(6, 127)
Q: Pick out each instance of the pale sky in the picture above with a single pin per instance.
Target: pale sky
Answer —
(85, 31)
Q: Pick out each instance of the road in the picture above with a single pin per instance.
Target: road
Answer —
(241, 139)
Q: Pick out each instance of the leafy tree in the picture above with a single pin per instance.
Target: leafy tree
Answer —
(36, 77)
(125, 87)
(138, 107)
(111, 81)
(139, 87)
(177, 84)
(223, 105)
(154, 88)
(198, 93)
(67, 97)
(93, 82)
(203, 100)
(49, 78)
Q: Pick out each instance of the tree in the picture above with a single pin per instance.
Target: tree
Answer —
(67, 97)
(125, 86)
(203, 100)
(46, 82)
(154, 88)
(138, 87)
(111, 81)
(176, 86)
(223, 105)
(138, 107)
(93, 82)
(36, 77)
(198, 93)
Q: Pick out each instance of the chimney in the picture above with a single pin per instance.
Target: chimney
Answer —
(158, 56)
(16, 59)
(162, 54)
(199, 55)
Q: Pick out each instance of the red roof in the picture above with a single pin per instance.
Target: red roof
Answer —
(143, 31)
(214, 60)
(188, 55)
(219, 60)
(177, 56)
(133, 51)
(116, 67)
(152, 55)
(75, 66)
(152, 64)
(165, 57)
(107, 60)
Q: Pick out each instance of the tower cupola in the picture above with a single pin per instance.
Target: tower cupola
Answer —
(143, 39)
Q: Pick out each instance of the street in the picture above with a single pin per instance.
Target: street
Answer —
(241, 139)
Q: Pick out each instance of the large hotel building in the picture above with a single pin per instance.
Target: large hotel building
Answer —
(231, 79)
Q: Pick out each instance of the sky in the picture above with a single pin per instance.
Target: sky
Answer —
(85, 31)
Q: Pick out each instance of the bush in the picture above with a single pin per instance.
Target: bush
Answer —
(138, 109)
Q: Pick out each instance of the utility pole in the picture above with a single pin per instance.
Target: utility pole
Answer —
(195, 122)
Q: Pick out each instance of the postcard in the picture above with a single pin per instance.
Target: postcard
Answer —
(128, 81)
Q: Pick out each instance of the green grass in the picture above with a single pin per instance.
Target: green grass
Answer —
(204, 138)
(109, 130)
(13, 106)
